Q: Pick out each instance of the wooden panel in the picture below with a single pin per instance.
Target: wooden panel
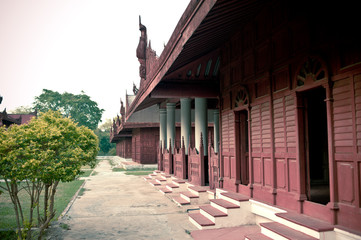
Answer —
(235, 47)
(248, 36)
(228, 134)
(225, 130)
(342, 114)
(290, 123)
(345, 182)
(233, 167)
(279, 123)
(226, 167)
(280, 46)
(262, 88)
(266, 127)
(267, 171)
(280, 80)
(300, 36)
(248, 65)
(357, 88)
(292, 175)
(255, 129)
(281, 173)
(235, 73)
(359, 183)
(262, 24)
(262, 58)
(257, 170)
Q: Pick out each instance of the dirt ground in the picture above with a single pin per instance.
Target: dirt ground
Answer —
(119, 206)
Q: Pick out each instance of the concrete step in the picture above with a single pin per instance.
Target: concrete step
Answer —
(179, 182)
(197, 190)
(154, 183)
(212, 213)
(226, 214)
(223, 205)
(189, 196)
(180, 201)
(172, 186)
(211, 194)
(152, 175)
(308, 225)
(166, 175)
(147, 178)
(165, 190)
(200, 221)
(279, 231)
(256, 236)
(160, 180)
(235, 198)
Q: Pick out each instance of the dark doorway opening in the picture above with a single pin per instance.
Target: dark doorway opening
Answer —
(242, 146)
(316, 146)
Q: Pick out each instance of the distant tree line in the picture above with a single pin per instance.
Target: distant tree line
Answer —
(78, 107)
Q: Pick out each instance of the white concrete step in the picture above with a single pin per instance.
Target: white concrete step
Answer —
(279, 231)
(305, 224)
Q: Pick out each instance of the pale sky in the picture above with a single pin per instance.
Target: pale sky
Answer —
(75, 45)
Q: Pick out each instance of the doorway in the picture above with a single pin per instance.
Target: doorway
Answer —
(316, 146)
(242, 147)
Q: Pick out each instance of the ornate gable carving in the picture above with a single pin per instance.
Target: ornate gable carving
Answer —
(312, 70)
(242, 98)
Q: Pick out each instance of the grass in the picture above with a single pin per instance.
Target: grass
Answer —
(135, 171)
(86, 173)
(64, 193)
(138, 173)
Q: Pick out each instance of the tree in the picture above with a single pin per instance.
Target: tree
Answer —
(106, 148)
(79, 107)
(35, 157)
(22, 110)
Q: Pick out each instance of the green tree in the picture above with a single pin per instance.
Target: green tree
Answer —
(22, 110)
(105, 146)
(35, 157)
(79, 107)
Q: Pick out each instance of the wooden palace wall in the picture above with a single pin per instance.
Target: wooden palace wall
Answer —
(124, 148)
(273, 69)
(145, 143)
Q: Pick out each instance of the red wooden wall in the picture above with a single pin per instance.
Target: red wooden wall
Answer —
(258, 74)
(124, 148)
(145, 143)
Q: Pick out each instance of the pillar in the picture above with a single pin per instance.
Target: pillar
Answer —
(170, 124)
(186, 122)
(163, 127)
(201, 123)
(216, 130)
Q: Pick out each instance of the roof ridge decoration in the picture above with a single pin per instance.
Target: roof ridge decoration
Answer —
(147, 57)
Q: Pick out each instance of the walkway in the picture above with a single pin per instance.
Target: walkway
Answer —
(119, 206)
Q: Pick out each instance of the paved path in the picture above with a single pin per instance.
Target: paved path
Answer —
(119, 206)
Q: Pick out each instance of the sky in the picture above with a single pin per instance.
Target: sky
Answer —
(78, 45)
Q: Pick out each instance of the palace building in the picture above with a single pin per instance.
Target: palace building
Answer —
(282, 80)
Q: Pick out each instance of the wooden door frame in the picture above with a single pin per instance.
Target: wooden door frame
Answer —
(240, 160)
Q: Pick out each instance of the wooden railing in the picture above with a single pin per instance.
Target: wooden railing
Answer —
(213, 167)
(160, 158)
(168, 160)
(196, 174)
(180, 162)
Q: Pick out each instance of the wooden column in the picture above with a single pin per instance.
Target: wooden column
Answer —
(163, 128)
(171, 125)
(216, 130)
(186, 122)
(201, 124)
